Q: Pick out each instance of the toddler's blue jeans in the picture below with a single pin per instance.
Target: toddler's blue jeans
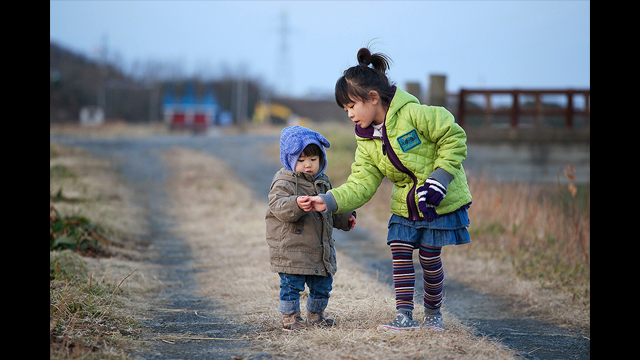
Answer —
(291, 285)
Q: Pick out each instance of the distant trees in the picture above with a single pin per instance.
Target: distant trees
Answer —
(76, 81)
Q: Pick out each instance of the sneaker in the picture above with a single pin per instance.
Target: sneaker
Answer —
(293, 322)
(401, 322)
(433, 322)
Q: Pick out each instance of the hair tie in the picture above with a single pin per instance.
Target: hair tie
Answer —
(364, 64)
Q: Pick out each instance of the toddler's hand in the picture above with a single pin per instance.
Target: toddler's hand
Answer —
(352, 222)
(304, 203)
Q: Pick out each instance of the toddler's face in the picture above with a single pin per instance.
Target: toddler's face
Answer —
(308, 164)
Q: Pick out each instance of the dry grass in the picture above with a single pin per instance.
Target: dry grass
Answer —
(512, 252)
(512, 228)
(90, 186)
(94, 301)
(542, 245)
(224, 224)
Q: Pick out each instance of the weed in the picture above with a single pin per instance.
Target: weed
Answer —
(546, 238)
(74, 233)
(89, 261)
(61, 172)
(80, 320)
(65, 264)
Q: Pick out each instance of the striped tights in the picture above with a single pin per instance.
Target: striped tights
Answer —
(404, 274)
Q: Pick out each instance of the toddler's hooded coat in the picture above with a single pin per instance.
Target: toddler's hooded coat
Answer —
(301, 242)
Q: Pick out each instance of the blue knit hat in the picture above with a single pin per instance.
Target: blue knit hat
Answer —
(294, 139)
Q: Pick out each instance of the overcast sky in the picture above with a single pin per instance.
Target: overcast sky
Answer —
(495, 44)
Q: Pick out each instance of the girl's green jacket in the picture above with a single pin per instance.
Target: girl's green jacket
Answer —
(416, 140)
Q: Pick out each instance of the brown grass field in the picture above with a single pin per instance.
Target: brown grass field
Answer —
(527, 244)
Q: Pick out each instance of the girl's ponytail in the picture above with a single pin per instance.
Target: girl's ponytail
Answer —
(364, 57)
(379, 61)
(357, 81)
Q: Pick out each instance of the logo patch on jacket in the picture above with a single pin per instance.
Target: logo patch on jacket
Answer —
(409, 140)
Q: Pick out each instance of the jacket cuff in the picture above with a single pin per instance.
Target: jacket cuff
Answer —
(330, 201)
(441, 176)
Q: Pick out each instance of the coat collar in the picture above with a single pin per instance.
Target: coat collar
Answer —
(289, 175)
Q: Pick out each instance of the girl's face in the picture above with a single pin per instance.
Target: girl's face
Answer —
(308, 164)
(366, 112)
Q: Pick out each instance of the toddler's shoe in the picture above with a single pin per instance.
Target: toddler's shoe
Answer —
(318, 319)
(293, 322)
(401, 322)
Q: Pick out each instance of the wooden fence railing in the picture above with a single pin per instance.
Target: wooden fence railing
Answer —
(516, 110)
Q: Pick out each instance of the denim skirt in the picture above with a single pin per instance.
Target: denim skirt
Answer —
(450, 229)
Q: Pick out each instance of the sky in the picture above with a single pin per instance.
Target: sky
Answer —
(475, 44)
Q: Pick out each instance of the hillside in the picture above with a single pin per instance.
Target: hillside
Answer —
(76, 81)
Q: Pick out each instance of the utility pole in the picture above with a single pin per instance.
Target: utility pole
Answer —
(284, 61)
(240, 101)
(241, 92)
(102, 86)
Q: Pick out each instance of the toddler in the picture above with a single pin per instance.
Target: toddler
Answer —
(301, 247)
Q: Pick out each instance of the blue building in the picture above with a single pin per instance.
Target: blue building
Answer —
(190, 112)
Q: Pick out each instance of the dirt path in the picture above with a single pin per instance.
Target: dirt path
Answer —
(176, 312)
(181, 313)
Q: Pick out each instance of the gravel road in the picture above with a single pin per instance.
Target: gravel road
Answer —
(142, 167)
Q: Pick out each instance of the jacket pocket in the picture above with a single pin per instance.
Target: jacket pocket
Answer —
(298, 226)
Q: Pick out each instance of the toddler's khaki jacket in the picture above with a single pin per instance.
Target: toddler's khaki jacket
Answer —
(301, 242)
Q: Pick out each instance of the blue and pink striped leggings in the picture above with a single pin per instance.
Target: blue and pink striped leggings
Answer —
(404, 274)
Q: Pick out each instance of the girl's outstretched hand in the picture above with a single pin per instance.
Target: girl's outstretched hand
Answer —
(316, 204)
(352, 221)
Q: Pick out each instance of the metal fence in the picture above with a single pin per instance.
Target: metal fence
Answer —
(517, 104)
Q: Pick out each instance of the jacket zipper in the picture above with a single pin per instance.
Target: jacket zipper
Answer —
(411, 197)
(322, 223)
(387, 150)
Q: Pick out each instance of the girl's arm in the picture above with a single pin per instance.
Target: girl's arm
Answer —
(361, 185)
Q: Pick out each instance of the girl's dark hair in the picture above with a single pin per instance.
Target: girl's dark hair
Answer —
(357, 81)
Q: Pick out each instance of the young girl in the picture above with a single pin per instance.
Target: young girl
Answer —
(420, 149)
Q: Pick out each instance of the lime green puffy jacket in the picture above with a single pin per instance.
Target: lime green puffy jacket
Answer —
(416, 139)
